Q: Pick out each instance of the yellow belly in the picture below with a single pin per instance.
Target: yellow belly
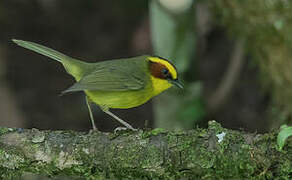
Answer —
(119, 100)
(128, 99)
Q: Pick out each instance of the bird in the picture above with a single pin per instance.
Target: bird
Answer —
(114, 84)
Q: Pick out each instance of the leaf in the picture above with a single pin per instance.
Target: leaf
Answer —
(173, 34)
(285, 132)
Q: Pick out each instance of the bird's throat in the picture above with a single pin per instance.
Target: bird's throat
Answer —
(159, 85)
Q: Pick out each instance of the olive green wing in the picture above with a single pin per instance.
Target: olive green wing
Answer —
(116, 75)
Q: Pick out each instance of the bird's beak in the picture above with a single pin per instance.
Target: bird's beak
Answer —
(177, 83)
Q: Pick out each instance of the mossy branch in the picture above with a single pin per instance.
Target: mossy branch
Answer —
(202, 153)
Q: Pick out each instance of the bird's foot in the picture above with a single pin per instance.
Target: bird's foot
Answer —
(93, 130)
(118, 129)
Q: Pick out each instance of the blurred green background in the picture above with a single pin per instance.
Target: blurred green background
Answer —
(233, 57)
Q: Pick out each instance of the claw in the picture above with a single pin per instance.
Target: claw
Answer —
(118, 129)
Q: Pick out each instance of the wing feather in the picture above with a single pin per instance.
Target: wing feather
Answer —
(115, 76)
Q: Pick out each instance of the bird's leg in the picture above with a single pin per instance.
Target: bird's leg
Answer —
(106, 110)
(90, 113)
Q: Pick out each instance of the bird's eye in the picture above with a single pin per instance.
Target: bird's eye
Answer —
(164, 71)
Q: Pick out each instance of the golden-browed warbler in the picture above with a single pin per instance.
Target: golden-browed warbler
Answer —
(122, 83)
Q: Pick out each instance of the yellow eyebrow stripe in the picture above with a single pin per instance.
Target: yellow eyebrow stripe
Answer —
(167, 64)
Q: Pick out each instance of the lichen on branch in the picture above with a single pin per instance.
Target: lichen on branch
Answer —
(200, 153)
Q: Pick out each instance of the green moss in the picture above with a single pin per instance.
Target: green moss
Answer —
(10, 161)
(196, 154)
(153, 132)
(4, 130)
(9, 174)
(215, 127)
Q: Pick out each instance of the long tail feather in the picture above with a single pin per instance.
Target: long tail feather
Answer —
(73, 66)
(42, 50)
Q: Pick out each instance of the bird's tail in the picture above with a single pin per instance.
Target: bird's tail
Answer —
(74, 67)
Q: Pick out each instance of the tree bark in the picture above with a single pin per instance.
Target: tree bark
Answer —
(213, 153)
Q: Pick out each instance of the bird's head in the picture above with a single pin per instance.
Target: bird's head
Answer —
(163, 74)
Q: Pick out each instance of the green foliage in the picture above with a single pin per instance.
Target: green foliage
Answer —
(186, 105)
(285, 132)
(174, 38)
(267, 27)
(192, 108)
(173, 33)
